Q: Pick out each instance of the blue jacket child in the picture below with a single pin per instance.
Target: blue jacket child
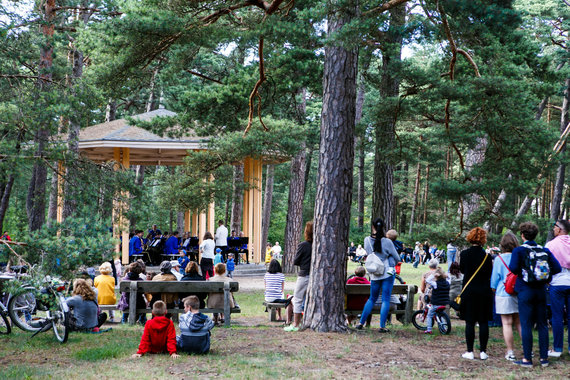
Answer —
(194, 328)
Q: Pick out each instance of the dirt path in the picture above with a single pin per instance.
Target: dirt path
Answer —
(256, 283)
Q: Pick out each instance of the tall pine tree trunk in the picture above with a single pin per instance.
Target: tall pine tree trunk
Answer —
(267, 199)
(415, 197)
(405, 181)
(474, 156)
(237, 198)
(383, 186)
(5, 200)
(426, 188)
(561, 171)
(36, 199)
(324, 309)
(359, 142)
(297, 186)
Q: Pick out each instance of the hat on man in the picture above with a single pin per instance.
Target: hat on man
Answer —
(165, 266)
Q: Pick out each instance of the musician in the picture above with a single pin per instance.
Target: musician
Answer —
(172, 244)
(153, 232)
(135, 244)
(222, 239)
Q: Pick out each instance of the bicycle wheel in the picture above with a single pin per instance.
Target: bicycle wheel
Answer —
(60, 321)
(5, 328)
(23, 311)
(419, 320)
(443, 322)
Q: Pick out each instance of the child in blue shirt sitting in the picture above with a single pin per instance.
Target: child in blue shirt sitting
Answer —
(230, 265)
(183, 260)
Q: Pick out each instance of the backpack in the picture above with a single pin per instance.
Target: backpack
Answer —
(374, 265)
(535, 266)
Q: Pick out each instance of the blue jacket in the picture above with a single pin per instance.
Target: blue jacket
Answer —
(194, 333)
(230, 265)
(172, 246)
(135, 246)
(517, 262)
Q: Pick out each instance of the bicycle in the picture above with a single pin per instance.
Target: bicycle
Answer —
(39, 311)
(419, 319)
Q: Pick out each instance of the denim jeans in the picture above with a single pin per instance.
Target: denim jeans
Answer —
(430, 315)
(532, 307)
(559, 298)
(450, 259)
(376, 286)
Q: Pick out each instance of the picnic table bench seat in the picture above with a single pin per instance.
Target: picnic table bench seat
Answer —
(135, 287)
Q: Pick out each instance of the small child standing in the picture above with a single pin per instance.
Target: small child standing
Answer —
(105, 285)
(183, 260)
(230, 265)
(439, 294)
(159, 335)
(392, 235)
(194, 328)
(218, 258)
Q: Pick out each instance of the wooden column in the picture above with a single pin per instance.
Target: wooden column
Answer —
(120, 221)
(194, 231)
(60, 189)
(257, 208)
(247, 217)
(187, 221)
(201, 226)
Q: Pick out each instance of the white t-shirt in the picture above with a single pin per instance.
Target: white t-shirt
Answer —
(221, 236)
(276, 249)
(207, 248)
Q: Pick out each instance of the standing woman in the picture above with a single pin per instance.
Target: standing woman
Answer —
(506, 305)
(477, 297)
(383, 248)
(207, 255)
(303, 261)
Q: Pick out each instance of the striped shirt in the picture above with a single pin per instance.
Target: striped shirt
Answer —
(274, 285)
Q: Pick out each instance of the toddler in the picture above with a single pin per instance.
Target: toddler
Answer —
(230, 265)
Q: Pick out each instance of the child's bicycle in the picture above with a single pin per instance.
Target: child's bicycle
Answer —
(419, 319)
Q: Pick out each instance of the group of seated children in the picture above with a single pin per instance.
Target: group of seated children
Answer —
(159, 334)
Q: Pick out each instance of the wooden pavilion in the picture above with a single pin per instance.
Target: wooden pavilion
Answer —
(130, 145)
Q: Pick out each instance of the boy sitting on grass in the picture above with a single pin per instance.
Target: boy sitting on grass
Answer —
(194, 328)
(159, 335)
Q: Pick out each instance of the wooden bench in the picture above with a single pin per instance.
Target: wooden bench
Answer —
(192, 287)
(399, 289)
(273, 306)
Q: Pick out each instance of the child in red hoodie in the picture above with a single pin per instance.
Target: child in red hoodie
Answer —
(356, 302)
(159, 334)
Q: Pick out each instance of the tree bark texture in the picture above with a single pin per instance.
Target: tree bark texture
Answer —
(180, 221)
(474, 156)
(426, 188)
(36, 198)
(111, 111)
(267, 200)
(52, 203)
(561, 171)
(297, 186)
(359, 144)
(5, 200)
(415, 197)
(361, 184)
(383, 183)
(237, 198)
(324, 309)
(152, 103)
(405, 181)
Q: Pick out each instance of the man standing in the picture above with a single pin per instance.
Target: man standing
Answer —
(560, 285)
(276, 251)
(135, 244)
(152, 233)
(451, 253)
(172, 244)
(534, 266)
(222, 239)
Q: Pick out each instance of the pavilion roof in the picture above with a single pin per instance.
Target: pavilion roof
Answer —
(97, 142)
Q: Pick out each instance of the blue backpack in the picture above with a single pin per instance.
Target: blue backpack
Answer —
(536, 268)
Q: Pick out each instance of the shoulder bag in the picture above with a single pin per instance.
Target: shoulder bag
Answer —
(374, 265)
(510, 280)
(457, 302)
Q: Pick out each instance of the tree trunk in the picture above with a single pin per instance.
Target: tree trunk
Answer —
(152, 103)
(415, 197)
(361, 184)
(324, 309)
(404, 204)
(359, 143)
(111, 111)
(52, 205)
(267, 199)
(180, 221)
(474, 156)
(36, 199)
(5, 200)
(297, 186)
(426, 188)
(237, 198)
(559, 186)
(383, 185)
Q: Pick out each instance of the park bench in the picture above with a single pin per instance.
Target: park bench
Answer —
(272, 308)
(192, 287)
(399, 289)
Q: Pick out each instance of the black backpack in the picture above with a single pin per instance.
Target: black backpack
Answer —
(535, 266)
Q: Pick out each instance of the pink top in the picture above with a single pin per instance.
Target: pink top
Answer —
(560, 248)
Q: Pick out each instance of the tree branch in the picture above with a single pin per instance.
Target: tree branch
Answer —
(255, 92)
(202, 76)
(384, 7)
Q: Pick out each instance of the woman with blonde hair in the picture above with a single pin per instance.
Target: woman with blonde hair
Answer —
(105, 285)
(476, 297)
(84, 306)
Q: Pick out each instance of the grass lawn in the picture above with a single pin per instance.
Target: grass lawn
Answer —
(254, 348)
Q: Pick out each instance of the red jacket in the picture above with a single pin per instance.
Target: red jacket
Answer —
(356, 302)
(159, 336)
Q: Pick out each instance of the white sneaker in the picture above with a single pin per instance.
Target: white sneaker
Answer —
(468, 355)
(554, 354)
(483, 355)
(510, 356)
